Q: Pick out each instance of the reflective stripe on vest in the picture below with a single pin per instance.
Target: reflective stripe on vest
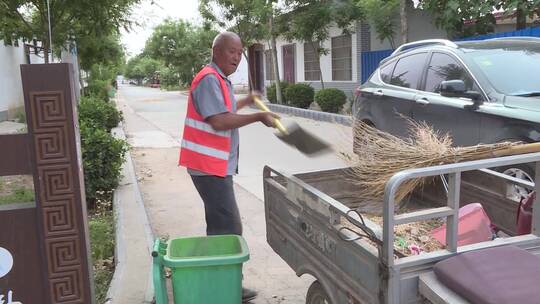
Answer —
(205, 150)
(203, 126)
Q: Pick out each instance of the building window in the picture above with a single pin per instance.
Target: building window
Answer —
(312, 69)
(269, 69)
(342, 58)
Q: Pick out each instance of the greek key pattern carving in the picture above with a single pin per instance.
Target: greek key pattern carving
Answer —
(60, 217)
(67, 288)
(57, 181)
(64, 252)
(48, 110)
(52, 146)
(57, 193)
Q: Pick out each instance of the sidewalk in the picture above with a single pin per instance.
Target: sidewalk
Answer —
(173, 208)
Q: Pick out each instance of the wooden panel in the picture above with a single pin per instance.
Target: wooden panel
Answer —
(61, 214)
(15, 158)
(24, 280)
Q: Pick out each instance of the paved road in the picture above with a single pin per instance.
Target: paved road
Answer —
(153, 124)
(160, 124)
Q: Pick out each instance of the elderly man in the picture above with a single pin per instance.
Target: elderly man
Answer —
(210, 141)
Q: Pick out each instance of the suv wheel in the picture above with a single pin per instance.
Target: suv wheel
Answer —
(524, 172)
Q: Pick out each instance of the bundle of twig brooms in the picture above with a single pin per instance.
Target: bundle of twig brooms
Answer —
(381, 155)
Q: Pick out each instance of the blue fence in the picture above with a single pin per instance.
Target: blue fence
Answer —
(531, 32)
(370, 60)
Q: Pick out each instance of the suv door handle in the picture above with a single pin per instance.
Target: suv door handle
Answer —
(422, 101)
(378, 93)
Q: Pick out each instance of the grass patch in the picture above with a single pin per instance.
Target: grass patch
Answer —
(20, 116)
(20, 195)
(101, 226)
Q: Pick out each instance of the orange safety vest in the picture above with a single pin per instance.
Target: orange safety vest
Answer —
(203, 148)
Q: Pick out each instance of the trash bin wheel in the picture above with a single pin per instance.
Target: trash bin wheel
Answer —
(316, 294)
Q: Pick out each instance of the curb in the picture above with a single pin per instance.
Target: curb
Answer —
(121, 233)
(345, 120)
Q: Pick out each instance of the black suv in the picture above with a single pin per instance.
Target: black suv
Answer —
(479, 91)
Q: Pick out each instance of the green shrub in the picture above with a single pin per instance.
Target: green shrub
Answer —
(330, 100)
(103, 156)
(98, 88)
(271, 92)
(20, 116)
(299, 95)
(99, 113)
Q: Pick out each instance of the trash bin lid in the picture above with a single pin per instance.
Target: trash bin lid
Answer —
(206, 251)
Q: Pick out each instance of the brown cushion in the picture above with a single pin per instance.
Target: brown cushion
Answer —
(506, 274)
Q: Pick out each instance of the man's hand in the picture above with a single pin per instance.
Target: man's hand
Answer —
(268, 118)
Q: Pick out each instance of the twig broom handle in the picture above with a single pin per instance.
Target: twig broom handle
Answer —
(263, 107)
(519, 149)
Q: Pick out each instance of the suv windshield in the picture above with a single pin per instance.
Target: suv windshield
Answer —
(510, 71)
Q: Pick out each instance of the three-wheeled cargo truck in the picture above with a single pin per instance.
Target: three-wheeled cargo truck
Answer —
(317, 224)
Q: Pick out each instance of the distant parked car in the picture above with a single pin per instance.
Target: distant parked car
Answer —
(480, 92)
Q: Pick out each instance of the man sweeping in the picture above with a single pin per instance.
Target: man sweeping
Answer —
(210, 142)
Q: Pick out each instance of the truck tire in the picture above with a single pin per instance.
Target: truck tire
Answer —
(317, 295)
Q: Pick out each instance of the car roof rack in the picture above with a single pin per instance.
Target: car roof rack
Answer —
(411, 45)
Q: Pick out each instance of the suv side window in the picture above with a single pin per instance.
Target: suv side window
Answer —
(386, 72)
(444, 67)
(408, 71)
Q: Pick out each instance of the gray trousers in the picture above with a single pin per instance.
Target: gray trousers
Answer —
(221, 210)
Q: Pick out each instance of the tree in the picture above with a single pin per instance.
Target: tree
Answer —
(169, 78)
(522, 9)
(172, 42)
(382, 17)
(247, 18)
(451, 15)
(93, 49)
(404, 21)
(28, 19)
(252, 20)
(273, 34)
(141, 67)
(310, 21)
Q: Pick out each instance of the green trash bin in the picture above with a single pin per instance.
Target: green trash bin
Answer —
(204, 270)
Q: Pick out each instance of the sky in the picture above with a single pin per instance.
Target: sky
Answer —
(150, 15)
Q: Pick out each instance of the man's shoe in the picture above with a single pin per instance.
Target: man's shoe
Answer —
(248, 295)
